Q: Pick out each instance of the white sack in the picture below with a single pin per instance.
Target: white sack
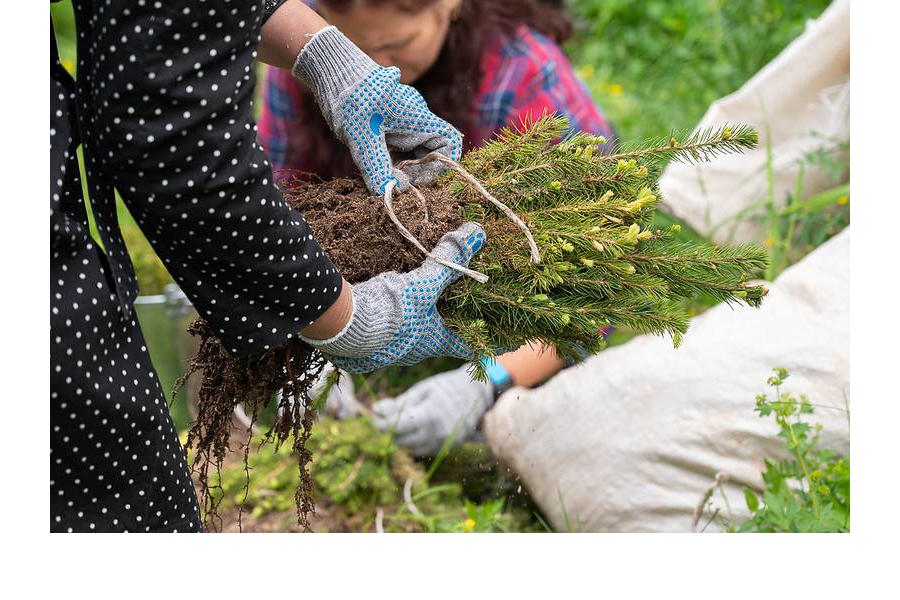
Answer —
(631, 439)
(803, 98)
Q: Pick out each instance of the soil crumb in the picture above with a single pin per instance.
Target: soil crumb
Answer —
(354, 228)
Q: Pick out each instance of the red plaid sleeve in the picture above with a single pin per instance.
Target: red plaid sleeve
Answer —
(280, 132)
(526, 76)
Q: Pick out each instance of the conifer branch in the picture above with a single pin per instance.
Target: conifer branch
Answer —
(602, 264)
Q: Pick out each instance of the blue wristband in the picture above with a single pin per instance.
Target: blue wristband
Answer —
(497, 375)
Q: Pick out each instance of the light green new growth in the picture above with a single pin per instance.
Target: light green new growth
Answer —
(601, 263)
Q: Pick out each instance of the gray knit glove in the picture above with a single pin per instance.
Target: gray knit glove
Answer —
(394, 319)
(424, 416)
(371, 111)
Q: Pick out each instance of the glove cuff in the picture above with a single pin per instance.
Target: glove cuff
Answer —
(375, 317)
(329, 64)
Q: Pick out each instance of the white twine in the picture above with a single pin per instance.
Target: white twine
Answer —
(389, 205)
(407, 497)
(422, 201)
(379, 520)
(535, 254)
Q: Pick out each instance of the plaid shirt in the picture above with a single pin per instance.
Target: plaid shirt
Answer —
(523, 77)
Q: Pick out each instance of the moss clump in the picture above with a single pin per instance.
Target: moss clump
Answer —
(359, 472)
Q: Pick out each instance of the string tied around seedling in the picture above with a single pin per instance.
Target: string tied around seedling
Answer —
(468, 177)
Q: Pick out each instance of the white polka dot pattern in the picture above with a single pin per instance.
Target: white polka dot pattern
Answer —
(165, 95)
(115, 460)
(162, 107)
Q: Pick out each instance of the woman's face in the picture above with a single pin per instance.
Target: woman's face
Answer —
(411, 41)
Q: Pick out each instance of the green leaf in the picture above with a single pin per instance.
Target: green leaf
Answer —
(752, 499)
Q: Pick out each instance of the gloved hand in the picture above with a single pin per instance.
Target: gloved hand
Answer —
(394, 319)
(370, 111)
(426, 414)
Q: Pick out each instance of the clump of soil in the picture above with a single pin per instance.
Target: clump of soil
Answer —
(356, 231)
(354, 228)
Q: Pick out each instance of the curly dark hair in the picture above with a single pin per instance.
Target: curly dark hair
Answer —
(452, 82)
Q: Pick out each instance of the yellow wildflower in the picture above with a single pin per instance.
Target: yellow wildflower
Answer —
(614, 89)
(843, 200)
(469, 525)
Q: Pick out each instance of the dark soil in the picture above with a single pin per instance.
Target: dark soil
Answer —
(354, 228)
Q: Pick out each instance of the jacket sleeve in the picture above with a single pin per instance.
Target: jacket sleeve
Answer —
(174, 98)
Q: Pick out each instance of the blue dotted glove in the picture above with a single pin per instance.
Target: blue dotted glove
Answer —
(371, 111)
(394, 319)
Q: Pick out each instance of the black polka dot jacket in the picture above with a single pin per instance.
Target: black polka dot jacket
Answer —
(162, 108)
(163, 100)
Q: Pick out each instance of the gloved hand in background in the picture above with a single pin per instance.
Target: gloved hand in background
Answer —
(394, 320)
(341, 402)
(424, 416)
(451, 403)
(371, 111)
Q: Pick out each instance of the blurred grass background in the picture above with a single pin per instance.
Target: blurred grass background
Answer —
(656, 66)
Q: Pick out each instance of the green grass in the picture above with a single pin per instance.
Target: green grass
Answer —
(657, 65)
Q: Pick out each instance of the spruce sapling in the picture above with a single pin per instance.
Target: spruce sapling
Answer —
(601, 261)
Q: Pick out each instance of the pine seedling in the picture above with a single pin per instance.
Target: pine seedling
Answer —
(601, 261)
